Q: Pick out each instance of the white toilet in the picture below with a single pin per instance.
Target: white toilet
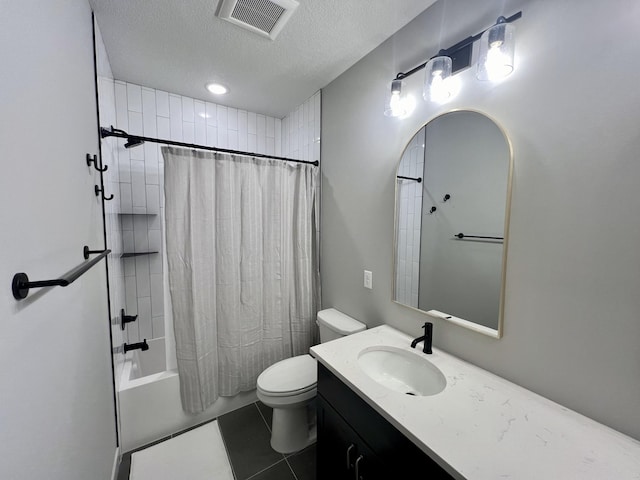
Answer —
(289, 387)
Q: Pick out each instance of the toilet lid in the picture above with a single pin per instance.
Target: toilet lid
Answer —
(296, 374)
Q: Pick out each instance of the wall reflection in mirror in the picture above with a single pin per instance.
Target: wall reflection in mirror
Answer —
(452, 215)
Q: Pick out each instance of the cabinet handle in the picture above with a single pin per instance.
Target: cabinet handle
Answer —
(358, 460)
(349, 464)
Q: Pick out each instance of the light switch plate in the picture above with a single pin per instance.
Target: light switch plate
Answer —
(368, 279)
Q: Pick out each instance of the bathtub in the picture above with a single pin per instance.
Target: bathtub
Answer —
(149, 397)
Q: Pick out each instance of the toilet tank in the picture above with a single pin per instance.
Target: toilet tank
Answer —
(334, 324)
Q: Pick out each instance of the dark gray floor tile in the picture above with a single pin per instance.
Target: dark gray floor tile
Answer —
(247, 440)
(303, 463)
(267, 413)
(279, 471)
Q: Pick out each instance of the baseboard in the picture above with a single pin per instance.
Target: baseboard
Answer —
(114, 470)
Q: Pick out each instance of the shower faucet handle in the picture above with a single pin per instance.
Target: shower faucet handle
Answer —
(143, 345)
(124, 319)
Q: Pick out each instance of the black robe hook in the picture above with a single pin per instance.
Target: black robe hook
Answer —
(98, 190)
(94, 160)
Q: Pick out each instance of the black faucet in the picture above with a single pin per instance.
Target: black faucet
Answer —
(134, 346)
(427, 337)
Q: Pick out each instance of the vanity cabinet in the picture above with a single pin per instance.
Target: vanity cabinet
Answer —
(342, 453)
(356, 443)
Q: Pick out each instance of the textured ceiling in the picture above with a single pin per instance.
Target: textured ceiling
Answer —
(179, 45)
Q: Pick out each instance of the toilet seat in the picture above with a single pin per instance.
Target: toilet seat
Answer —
(292, 376)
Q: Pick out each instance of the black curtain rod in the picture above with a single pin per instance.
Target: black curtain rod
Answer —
(135, 140)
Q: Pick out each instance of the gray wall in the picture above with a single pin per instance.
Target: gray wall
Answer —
(571, 109)
(56, 395)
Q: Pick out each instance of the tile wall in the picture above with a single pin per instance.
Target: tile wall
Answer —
(409, 198)
(301, 131)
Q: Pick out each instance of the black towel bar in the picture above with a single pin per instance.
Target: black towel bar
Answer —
(21, 284)
(462, 236)
(417, 179)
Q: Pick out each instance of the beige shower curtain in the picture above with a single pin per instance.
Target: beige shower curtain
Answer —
(243, 273)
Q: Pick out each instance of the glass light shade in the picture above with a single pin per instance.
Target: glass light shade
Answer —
(497, 47)
(437, 79)
(394, 105)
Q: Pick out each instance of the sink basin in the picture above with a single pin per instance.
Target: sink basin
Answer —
(402, 371)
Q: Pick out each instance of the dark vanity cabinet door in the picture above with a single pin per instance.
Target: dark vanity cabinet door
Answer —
(342, 454)
(351, 432)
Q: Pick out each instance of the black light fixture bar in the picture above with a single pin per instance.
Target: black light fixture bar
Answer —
(21, 284)
(460, 53)
(135, 140)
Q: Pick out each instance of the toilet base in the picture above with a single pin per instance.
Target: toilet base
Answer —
(293, 429)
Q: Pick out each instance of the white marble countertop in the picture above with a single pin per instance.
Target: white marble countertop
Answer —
(482, 426)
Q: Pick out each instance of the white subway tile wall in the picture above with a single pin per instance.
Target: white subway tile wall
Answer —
(409, 212)
(301, 131)
(154, 113)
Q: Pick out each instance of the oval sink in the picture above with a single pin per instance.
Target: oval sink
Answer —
(402, 371)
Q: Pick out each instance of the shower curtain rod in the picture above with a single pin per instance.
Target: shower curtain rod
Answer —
(135, 140)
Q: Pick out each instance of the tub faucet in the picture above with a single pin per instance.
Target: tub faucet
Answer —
(134, 346)
(426, 338)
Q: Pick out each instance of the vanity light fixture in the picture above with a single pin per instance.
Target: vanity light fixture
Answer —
(495, 62)
(216, 88)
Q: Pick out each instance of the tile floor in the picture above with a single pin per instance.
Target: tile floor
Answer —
(246, 433)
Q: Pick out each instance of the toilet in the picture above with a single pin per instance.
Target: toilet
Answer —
(289, 387)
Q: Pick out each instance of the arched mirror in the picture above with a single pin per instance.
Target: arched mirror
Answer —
(453, 192)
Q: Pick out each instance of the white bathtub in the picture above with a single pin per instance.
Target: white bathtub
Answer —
(149, 395)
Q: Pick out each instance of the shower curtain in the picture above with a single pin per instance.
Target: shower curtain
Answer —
(241, 237)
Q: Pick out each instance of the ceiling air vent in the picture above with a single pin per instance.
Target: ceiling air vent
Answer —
(265, 17)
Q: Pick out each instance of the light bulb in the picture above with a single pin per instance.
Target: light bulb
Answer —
(394, 103)
(439, 90)
(497, 64)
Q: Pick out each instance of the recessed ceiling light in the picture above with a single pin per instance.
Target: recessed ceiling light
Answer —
(216, 88)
